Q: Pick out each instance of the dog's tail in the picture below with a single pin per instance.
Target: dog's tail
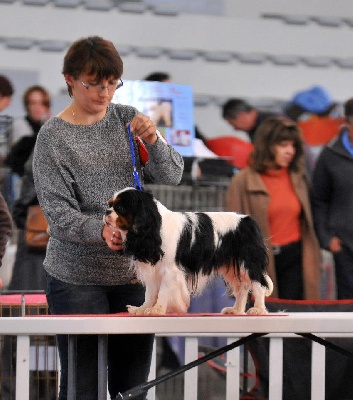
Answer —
(251, 253)
(269, 288)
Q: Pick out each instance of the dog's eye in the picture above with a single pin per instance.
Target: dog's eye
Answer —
(119, 209)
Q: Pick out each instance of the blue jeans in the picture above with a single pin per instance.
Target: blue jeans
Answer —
(129, 356)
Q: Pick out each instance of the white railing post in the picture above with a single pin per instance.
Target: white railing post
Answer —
(233, 372)
(276, 369)
(190, 382)
(22, 368)
(151, 395)
(318, 371)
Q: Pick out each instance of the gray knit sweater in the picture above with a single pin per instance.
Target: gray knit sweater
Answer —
(76, 170)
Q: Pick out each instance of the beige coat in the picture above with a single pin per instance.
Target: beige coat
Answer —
(247, 194)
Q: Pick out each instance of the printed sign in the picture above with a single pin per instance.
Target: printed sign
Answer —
(170, 106)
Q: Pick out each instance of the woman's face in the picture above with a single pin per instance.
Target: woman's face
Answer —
(90, 95)
(284, 153)
(36, 107)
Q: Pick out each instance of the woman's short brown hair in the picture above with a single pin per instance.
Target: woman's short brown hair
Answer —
(95, 56)
(272, 131)
(36, 88)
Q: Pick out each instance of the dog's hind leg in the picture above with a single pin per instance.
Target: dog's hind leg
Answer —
(259, 293)
(241, 297)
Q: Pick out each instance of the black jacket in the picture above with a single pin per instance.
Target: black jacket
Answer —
(332, 193)
(27, 196)
(19, 154)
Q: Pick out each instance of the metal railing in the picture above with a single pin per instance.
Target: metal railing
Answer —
(277, 326)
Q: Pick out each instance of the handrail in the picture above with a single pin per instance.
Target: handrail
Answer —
(299, 322)
(278, 326)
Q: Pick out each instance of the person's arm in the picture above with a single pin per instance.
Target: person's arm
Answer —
(320, 199)
(5, 226)
(55, 189)
(165, 165)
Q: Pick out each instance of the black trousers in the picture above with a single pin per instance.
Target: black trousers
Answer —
(344, 273)
(289, 271)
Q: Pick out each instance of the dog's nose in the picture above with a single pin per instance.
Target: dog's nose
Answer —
(108, 212)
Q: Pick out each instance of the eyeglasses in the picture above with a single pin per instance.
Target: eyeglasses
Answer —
(97, 88)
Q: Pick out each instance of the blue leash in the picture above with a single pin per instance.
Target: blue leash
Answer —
(137, 181)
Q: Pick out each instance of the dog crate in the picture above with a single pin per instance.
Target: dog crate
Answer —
(191, 197)
(43, 354)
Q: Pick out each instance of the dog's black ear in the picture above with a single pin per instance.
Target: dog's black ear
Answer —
(143, 240)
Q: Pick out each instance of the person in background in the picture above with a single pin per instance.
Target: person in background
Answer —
(244, 117)
(274, 190)
(6, 93)
(5, 228)
(332, 202)
(6, 121)
(28, 272)
(36, 101)
(82, 156)
(157, 77)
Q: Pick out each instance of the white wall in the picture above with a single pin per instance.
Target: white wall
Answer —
(240, 32)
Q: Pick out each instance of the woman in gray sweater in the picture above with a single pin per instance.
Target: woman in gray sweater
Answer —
(82, 156)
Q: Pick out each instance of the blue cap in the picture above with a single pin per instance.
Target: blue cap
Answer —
(315, 100)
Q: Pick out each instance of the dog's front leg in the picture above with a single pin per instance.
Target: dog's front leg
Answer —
(151, 279)
(173, 295)
(150, 299)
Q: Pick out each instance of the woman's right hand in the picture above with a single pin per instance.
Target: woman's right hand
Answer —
(112, 237)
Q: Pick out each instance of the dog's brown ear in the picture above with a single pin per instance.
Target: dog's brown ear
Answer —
(143, 240)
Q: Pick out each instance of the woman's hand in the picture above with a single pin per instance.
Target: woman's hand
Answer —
(335, 244)
(112, 237)
(143, 127)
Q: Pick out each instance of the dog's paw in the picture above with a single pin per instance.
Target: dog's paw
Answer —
(133, 310)
(143, 310)
(155, 310)
(233, 311)
(257, 311)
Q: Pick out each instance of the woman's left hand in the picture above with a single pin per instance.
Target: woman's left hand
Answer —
(143, 127)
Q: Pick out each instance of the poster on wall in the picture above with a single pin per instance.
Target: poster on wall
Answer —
(170, 106)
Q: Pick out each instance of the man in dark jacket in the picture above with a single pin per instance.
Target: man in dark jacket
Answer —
(332, 202)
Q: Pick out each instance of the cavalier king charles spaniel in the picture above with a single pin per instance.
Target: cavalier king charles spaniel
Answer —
(176, 253)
